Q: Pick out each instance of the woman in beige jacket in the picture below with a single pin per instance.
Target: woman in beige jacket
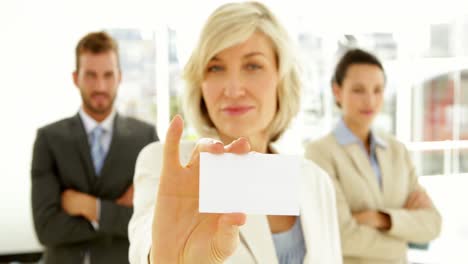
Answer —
(381, 206)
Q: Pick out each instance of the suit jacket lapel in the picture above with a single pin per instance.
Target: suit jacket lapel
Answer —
(309, 231)
(82, 145)
(362, 163)
(384, 159)
(256, 235)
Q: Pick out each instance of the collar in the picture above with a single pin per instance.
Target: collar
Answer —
(90, 124)
(345, 136)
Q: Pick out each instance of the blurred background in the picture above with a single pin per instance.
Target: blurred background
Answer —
(423, 44)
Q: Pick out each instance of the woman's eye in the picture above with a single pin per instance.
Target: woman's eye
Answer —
(253, 66)
(215, 68)
(358, 91)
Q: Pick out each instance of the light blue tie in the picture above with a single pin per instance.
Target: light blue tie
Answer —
(97, 149)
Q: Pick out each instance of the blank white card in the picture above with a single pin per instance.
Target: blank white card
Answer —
(253, 183)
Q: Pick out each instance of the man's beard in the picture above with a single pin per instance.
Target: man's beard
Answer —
(101, 109)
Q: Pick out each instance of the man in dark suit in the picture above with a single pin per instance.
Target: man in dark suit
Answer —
(82, 167)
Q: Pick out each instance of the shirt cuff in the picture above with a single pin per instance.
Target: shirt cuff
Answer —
(95, 224)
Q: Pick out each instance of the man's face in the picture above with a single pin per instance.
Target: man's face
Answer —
(98, 78)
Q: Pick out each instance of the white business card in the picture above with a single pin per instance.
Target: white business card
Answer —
(252, 183)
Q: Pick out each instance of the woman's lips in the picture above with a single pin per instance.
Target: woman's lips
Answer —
(236, 110)
(367, 112)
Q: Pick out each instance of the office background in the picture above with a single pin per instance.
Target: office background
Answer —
(423, 44)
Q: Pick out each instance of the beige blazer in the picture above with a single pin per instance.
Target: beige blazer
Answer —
(318, 215)
(357, 189)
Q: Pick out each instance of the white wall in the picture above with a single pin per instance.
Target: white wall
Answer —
(37, 40)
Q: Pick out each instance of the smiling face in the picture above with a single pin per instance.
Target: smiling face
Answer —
(98, 78)
(361, 94)
(240, 88)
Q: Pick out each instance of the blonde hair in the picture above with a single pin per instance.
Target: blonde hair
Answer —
(229, 25)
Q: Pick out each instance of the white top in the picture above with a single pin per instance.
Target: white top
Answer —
(318, 215)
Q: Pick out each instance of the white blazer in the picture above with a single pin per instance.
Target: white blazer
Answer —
(318, 215)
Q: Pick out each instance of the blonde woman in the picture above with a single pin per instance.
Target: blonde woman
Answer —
(381, 206)
(242, 92)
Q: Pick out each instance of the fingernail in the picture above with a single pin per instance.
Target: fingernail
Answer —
(215, 141)
(239, 139)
